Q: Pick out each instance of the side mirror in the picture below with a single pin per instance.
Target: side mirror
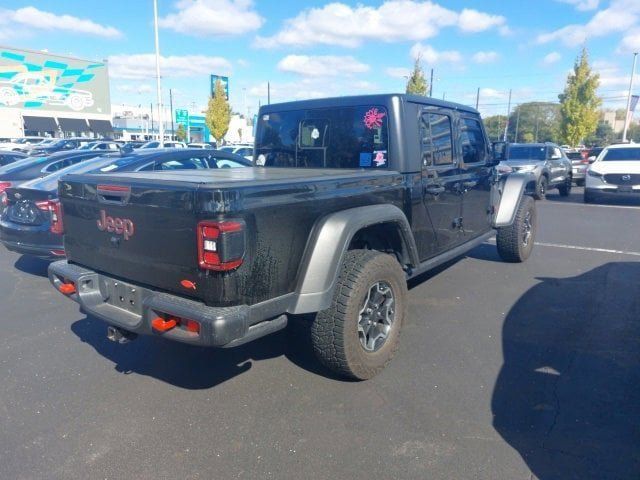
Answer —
(498, 152)
(591, 159)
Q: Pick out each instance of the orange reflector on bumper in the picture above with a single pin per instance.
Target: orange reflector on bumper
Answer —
(162, 325)
(67, 288)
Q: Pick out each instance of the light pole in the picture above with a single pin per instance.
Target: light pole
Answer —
(627, 117)
(155, 27)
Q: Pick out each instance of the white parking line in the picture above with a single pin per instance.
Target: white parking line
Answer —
(578, 247)
(573, 204)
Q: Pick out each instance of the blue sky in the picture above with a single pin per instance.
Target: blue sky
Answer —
(319, 48)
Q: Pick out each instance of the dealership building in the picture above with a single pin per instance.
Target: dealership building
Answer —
(52, 95)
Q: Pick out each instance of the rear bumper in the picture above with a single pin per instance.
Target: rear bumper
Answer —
(31, 240)
(133, 308)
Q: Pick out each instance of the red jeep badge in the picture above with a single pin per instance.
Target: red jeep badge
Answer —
(121, 226)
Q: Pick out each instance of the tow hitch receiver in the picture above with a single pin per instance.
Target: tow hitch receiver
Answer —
(118, 335)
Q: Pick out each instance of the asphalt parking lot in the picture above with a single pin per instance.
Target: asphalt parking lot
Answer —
(504, 372)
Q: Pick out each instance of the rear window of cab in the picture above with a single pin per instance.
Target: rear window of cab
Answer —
(345, 137)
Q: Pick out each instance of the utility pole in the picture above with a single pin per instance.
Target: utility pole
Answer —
(478, 98)
(158, 86)
(152, 126)
(268, 93)
(431, 84)
(517, 125)
(537, 120)
(444, 94)
(627, 111)
(506, 126)
(173, 130)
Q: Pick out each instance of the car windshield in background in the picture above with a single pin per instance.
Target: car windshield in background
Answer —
(526, 153)
(21, 164)
(49, 182)
(347, 137)
(621, 155)
(88, 146)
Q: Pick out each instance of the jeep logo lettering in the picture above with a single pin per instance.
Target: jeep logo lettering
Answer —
(121, 226)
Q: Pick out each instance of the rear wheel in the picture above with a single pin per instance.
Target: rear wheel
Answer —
(515, 242)
(359, 333)
(541, 188)
(565, 188)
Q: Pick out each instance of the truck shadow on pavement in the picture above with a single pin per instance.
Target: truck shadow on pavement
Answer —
(32, 265)
(192, 367)
(568, 395)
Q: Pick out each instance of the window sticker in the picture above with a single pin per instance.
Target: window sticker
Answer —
(315, 134)
(261, 160)
(380, 158)
(373, 118)
(365, 159)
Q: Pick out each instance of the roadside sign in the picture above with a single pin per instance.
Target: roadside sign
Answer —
(225, 84)
(182, 116)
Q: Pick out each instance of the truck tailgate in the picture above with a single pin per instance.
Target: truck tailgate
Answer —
(131, 229)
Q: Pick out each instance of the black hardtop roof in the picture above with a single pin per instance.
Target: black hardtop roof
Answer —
(534, 144)
(378, 99)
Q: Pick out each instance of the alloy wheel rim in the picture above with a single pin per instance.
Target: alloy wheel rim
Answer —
(527, 229)
(376, 317)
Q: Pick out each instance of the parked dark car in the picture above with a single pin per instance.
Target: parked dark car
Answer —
(25, 216)
(62, 144)
(9, 157)
(547, 165)
(353, 197)
(29, 168)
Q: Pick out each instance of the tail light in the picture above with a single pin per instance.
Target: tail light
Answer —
(221, 245)
(4, 186)
(55, 208)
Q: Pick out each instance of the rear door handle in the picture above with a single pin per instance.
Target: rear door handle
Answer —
(434, 189)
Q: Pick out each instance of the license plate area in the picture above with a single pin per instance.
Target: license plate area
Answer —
(122, 295)
(625, 189)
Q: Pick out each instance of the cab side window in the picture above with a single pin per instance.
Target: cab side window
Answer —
(474, 146)
(437, 140)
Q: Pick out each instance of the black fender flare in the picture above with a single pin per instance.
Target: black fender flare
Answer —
(327, 244)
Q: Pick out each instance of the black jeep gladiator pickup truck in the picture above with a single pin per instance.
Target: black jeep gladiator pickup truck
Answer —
(350, 197)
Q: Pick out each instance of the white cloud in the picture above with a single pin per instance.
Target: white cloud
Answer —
(33, 18)
(486, 57)
(551, 58)
(618, 17)
(213, 17)
(395, 20)
(322, 65)
(630, 42)
(431, 56)
(143, 65)
(398, 72)
(474, 21)
(582, 5)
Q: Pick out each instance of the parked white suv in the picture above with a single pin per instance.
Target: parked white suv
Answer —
(614, 174)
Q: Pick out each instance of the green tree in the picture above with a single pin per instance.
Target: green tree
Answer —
(181, 133)
(218, 115)
(579, 103)
(417, 84)
(535, 121)
(634, 132)
(494, 126)
(604, 135)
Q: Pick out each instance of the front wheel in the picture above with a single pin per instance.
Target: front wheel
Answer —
(541, 188)
(359, 333)
(515, 242)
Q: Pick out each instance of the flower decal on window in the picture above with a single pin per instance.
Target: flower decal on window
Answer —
(373, 118)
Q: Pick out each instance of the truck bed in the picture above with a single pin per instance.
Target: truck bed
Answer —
(278, 206)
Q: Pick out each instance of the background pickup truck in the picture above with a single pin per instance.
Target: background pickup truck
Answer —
(353, 196)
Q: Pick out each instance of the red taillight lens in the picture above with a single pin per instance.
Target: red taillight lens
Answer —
(221, 245)
(4, 186)
(55, 208)
(43, 205)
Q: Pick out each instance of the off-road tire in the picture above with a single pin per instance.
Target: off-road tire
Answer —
(334, 331)
(510, 240)
(541, 188)
(565, 188)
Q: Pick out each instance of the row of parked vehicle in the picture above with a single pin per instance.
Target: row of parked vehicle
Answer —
(29, 185)
(605, 172)
(39, 146)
